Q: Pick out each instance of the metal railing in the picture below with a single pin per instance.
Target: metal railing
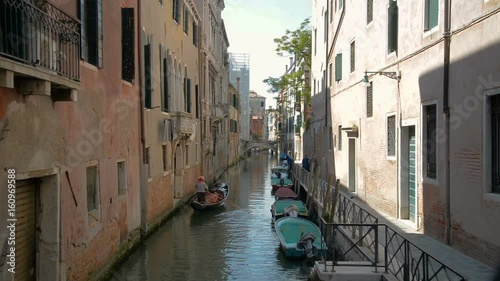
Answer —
(401, 258)
(40, 35)
(365, 242)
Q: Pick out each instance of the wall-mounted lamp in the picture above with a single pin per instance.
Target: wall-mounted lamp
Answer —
(393, 75)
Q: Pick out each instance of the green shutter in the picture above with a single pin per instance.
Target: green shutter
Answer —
(338, 67)
(432, 13)
(392, 36)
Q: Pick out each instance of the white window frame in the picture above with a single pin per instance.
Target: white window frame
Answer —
(396, 132)
(423, 134)
(487, 194)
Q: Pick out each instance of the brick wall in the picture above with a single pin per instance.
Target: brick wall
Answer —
(87, 260)
(475, 247)
(160, 197)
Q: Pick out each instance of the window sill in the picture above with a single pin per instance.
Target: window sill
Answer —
(434, 182)
(492, 197)
(391, 158)
(430, 32)
(127, 83)
(150, 180)
(167, 173)
(88, 65)
(93, 217)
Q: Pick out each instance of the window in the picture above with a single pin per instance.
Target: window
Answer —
(315, 39)
(330, 138)
(164, 79)
(369, 11)
(338, 67)
(91, 32)
(177, 11)
(495, 143)
(195, 34)
(186, 20)
(92, 189)
(196, 102)
(128, 45)
(164, 149)
(148, 73)
(340, 138)
(341, 4)
(325, 26)
(187, 94)
(391, 135)
(314, 87)
(392, 27)
(353, 56)
(430, 141)
(369, 100)
(431, 14)
(187, 155)
(147, 157)
(330, 74)
(122, 178)
(331, 10)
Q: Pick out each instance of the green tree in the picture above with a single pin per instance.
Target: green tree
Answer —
(296, 43)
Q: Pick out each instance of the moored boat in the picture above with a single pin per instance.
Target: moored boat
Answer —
(285, 193)
(283, 208)
(216, 197)
(277, 183)
(279, 172)
(299, 238)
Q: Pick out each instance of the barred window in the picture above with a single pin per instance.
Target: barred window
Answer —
(430, 142)
(369, 100)
(391, 135)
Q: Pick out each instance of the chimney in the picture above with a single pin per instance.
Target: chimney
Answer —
(238, 84)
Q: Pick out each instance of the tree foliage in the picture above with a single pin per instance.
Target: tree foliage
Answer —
(296, 43)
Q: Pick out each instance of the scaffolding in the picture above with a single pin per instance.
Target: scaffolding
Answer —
(239, 66)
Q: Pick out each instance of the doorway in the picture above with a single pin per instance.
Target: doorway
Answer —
(408, 174)
(352, 165)
(178, 172)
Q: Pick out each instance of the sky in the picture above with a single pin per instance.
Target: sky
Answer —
(251, 26)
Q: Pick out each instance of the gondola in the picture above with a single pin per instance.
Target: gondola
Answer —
(221, 189)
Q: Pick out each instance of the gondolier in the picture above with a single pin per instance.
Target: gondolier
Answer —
(201, 189)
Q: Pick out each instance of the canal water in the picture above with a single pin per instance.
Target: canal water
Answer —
(236, 242)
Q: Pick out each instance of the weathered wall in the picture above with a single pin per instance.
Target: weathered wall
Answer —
(380, 178)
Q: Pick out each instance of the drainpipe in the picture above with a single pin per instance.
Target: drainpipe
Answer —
(143, 185)
(446, 111)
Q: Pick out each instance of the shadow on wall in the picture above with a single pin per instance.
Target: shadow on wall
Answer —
(470, 78)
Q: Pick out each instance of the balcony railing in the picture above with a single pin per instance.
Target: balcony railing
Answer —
(40, 35)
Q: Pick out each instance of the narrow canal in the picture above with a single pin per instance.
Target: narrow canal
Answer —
(236, 242)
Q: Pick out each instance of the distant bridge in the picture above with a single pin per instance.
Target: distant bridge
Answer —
(273, 145)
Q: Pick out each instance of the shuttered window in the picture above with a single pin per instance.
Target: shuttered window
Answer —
(176, 10)
(369, 100)
(339, 133)
(186, 20)
(392, 26)
(128, 44)
(391, 135)
(148, 91)
(195, 34)
(495, 143)
(369, 11)
(338, 67)
(430, 141)
(196, 102)
(91, 32)
(92, 189)
(165, 92)
(188, 96)
(431, 14)
(353, 56)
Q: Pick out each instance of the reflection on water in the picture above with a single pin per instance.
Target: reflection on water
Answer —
(235, 242)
